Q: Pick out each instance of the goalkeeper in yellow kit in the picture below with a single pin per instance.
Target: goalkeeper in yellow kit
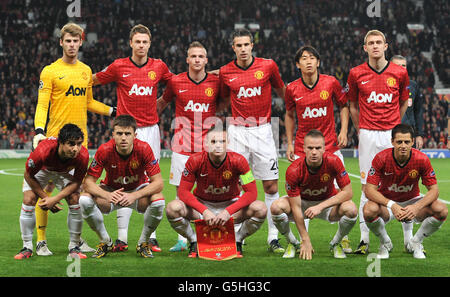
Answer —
(65, 95)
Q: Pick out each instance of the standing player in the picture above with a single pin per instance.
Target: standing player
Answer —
(137, 79)
(65, 95)
(311, 193)
(380, 90)
(53, 160)
(195, 93)
(132, 180)
(219, 175)
(247, 82)
(393, 192)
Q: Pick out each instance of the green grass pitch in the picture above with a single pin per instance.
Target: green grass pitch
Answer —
(257, 262)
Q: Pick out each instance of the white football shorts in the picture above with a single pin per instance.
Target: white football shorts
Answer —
(61, 180)
(257, 145)
(177, 165)
(371, 142)
(151, 135)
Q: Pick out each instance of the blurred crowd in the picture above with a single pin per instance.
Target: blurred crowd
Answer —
(29, 41)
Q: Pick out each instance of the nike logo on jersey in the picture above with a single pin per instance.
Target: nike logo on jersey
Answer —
(296, 99)
(364, 82)
(113, 166)
(202, 175)
(182, 91)
(126, 75)
(388, 173)
(61, 77)
(231, 79)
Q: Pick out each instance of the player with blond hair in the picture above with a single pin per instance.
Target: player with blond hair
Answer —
(377, 92)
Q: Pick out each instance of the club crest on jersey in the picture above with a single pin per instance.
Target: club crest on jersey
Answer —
(413, 173)
(152, 75)
(259, 74)
(325, 177)
(84, 75)
(227, 174)
(324, 95)
(134, 164)
(391, 81)
(209, 92)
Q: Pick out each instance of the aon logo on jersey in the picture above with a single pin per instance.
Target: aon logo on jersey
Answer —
(379, 98)
(140, 91)
(76, 91)
(400, 189)
(197, 107)
(249, 92)
(315, 192)
(217, 191)
(314, 112)
(125, 180)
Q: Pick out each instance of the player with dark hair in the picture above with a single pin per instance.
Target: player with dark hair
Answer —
(219, 176)
(65, 96)
(137, 78)
(133, 180)
(378, 95)
(312, 194)
(247, 82)
(393, 192)
(64, 162)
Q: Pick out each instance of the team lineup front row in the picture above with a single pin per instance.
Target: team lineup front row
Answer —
(317, 186)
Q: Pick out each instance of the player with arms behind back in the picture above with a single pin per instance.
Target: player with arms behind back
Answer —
(393, 192)
(378, 94)
(312, 194)
(217, 196)
(195, 93)
(137, 78)
(65, 95)
(53, 160)
(247, 82)
(133, 180)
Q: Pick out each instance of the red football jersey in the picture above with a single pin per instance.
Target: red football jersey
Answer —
(400, 183)
(137, 87)
(217, 184)
(378, 94)
(317, 186)
(315, 109)
(127, 173)
(250, 90)
(195, 109)
(45, 156)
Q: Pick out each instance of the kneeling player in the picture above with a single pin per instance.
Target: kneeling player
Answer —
(54, 160)
(311, 194)
(393, 192)
(217, 197)
(127, 162)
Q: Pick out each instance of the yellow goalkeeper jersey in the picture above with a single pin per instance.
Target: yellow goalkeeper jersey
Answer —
(67, 89)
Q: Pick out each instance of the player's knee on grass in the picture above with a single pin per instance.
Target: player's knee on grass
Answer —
(440, 210)
(279, 206)
(371, 211)
(259, 209)
(174, 209)
(349, 209)
(29, 198)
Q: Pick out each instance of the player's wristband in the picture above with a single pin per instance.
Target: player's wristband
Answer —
(39, 131)
(389, 204)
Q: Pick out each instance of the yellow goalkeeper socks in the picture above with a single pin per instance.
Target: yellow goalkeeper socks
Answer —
(41, 220)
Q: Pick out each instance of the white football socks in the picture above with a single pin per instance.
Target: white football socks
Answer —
(27, 224)
(272, 230)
